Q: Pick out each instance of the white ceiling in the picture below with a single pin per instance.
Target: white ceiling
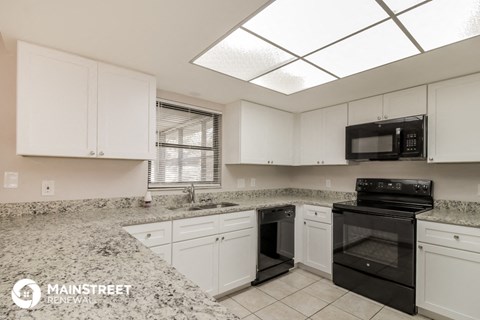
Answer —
(161, 37)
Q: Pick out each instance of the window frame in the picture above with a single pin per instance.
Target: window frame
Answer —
(216, 148)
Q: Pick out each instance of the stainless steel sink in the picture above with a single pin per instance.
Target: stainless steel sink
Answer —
(213, 206)
(204, 206)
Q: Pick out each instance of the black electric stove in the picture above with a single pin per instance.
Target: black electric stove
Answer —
(374, 239)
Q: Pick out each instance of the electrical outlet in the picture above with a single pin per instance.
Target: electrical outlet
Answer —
(328, 183)
(48, 188)
(240, 183)
(253, 182)
(478, 190)
(10, 180)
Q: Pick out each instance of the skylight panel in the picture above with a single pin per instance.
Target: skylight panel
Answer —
(302, 26)
(441, 22)
(399, 5)
(244, 56)
(294, 77)
(374, 47)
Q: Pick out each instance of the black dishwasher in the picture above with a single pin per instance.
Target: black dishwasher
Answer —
(276, 242)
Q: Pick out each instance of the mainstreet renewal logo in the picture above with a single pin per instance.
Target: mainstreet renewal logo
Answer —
(26, 293)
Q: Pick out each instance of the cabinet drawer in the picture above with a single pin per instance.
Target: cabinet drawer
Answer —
(152, 234)
(237, 221)
(164, 252)
(458, 237)
(316, 213)
(186, 229)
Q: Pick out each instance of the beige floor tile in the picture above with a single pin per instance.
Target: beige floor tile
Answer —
(252, 299)
(277, 289)
(391, 314)
(235, 308)
(252, 317)
(333, 313)
(279, 311)
(307, 274)
(325, 290)
(297, 280)
(359, 306)
(305, 303)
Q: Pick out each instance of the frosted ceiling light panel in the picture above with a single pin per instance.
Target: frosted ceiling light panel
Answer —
(441, 22)
(374, 47)
(294, 77)
(399, 5)
(244, 56)
(302, 26)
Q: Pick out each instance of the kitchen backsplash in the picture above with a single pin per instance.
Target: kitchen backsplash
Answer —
(68, 206)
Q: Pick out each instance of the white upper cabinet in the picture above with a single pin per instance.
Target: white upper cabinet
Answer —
(256, 134)
(453, 114)
(398, 104)
(405, 103)
(69, 106)
(56, 103)
(126, 113)
(322, 136)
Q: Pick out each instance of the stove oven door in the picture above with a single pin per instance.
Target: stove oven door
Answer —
(378, 245)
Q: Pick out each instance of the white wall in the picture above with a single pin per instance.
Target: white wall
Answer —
(451, 181)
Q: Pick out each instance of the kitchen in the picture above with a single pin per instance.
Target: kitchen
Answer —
(68, 219)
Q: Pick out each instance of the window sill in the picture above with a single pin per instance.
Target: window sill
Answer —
(181, 187)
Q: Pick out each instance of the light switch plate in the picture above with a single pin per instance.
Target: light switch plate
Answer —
(328, 183)
(253, 182)
(10, 180)
(241, 183)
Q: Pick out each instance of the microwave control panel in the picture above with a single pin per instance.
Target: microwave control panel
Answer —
(412, 143)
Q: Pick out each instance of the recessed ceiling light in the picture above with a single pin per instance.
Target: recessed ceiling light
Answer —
(441, 22)
(399, 5)
(374, 47)
(302, 26)
(294, 77)
(244, 56)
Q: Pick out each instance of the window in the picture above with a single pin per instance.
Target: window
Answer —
(188, 147)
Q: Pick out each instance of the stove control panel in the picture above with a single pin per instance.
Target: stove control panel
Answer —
(398, 186)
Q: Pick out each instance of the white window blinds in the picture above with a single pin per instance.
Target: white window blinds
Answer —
(188, 147)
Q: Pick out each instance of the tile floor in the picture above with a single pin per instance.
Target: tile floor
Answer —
(302, 295)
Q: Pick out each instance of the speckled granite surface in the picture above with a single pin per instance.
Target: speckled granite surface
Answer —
(92, 248)
(452, 216)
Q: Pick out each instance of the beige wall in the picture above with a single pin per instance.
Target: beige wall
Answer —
(451, 181)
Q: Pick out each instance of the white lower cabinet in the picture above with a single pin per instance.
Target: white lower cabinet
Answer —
(164, 252)
(448, 277)
(198, 260)
(221, 261)
(317, 240)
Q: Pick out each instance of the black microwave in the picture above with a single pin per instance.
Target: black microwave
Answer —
(396, 139)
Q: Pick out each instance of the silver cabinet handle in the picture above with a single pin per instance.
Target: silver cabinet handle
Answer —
(379, 118)
(431, 159)
(148, 235)
(268, 162)
(420, 247)
(216, 239)
(316, 213)
(456, 237)
(318, 162)
(323, 162)
(304, 222)
(385, 117)
(271, 162)
(101, 153)
(223, 238)
(92, 153)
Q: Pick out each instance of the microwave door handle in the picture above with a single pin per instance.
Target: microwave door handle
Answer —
(398, 140)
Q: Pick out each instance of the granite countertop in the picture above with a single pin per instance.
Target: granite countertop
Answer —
(92, 248)
(452, 216)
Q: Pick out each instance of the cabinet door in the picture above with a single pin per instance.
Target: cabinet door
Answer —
(317, 244)
(448, 281)
(365, 110)
(334, 122)
(126, 113)
(279, 135)
(236, 259)
(453, 113)
(311, 137)
(56, 103)
(404, 103)
(198, 261)
(164, 252)
(253, 132)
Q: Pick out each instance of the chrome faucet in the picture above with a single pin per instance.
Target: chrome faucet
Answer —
(191, 193)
